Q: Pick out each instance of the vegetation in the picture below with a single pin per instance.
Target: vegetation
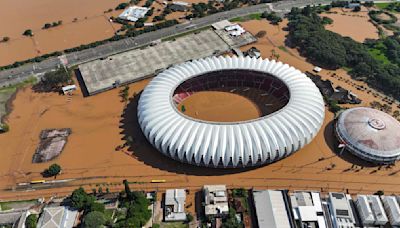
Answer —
(50, 25)
(122, 6)
(53, 170)
(393, 6)
(81, 200)
(333, 106)
(231, 220)
(332, 51)
(375, 15)
(94, 219)
(272, 17)
(31, 221)
(54, 80)
(124, 94)
(5, 39)
(326, 21)
(28, 32)
(4, 127)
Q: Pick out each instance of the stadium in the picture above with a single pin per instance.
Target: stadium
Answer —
(291, 112)
(369, 134)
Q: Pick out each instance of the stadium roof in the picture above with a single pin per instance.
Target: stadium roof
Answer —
(234, 144)
(370, 133)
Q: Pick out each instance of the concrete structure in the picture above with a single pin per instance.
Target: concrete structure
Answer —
(57, 217)
(341, 211)
(379, 212)
(292, 125)
(235, 30)
(220, 25)
(271, 209)
(133, 13)
(101, 75)
(369, 134)
(365, 211)
(174, 209)
(179, 6)
(392, 209)
(215, 200)
(10, 218)
(307, 209)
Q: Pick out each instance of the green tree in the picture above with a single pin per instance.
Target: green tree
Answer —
(28, 32)
(47, 26)
(95, 206)
(124, 94)
(357, 9)
(122, 6)
(53, 170)
(81, 200)
(31, 221)
(6, 39)
(94, 219)
(183, 108)
(231, 220)
(4, 127)
(56, 79)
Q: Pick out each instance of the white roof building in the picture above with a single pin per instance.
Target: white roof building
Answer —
(231, 144)
(364, 210)
(392, 209)
(216, 200)
(307, 209)
(133, 13)
(174, 209)
(341, 210)
(221, 24)
(379, 212)
(235, 30)
(271, 209)
(57, 217)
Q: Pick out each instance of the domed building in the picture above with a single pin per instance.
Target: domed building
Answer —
(369, 134)
(294, 118)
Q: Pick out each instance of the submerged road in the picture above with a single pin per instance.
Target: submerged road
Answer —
(21, 73)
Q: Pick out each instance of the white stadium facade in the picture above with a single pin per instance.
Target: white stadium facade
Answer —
(292, 124)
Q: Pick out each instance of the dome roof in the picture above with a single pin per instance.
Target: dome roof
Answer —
(370, 131)
(230, 144)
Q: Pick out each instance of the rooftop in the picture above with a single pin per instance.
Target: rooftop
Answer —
(271, 209)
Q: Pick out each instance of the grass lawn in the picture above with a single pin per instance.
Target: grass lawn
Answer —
(378, 55)
(4, 206)
(255, 16)
(382, 5)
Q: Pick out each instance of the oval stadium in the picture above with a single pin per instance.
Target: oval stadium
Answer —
(290, 112)
(369, 134)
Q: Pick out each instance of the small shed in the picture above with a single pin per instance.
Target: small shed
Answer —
(68, 89)
(317, 69)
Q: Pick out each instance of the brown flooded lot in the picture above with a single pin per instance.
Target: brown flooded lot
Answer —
(219, 106)
(102, 124)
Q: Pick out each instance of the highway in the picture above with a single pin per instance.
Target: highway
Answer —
(21, 73)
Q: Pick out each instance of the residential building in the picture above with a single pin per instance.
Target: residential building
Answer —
(215, 200)
(271, 209)
(179, 6)
(174, 209)
(57, 217)
(133, 13)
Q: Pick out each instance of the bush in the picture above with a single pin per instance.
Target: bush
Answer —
(56, 79)
(272, 17)
(53, 170)
(4, 127)
(46, 26)
(94, 219)
(31, 221)
(122, 6)
(5, 39)
(28, 32)
(81, 200)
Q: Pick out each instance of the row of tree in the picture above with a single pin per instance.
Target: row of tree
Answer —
(331, 50)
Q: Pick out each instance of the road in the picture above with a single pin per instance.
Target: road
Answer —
(15, 75)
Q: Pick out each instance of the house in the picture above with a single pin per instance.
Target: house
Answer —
(57, 217)
(215, 200)
(174, 209)
(235, 30)
(371, 210)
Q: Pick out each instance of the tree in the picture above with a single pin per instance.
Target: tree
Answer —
(46, 26)
(4, 127)
(53, 170)
(56, 79)
(28, 32)
(80, 199)
(31, 221)
(124, 94)
(326, 21)
(6, 39)
(95, 206)
(357, 9)
(122, 6)
(94, 219)
(231, 221)
(379, 193)
(189, 217)
(183, 108)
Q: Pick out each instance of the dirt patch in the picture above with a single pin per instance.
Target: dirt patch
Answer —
(52, 143)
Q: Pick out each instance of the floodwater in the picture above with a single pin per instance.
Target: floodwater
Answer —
(354, 25)
(101, 125)
(219, 106)
(91, 24)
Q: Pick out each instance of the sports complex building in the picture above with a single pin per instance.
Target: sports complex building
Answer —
(291, 107)
(369, 134)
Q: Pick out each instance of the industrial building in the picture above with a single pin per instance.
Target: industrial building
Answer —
(371, 210)
(271, 209)
(341, 210)
(307, 209)
(133, 13)
(215, 201)
(174, 208)
(297, 116)
(392, 209)
(369, 134)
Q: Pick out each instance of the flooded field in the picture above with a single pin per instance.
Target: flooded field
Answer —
(219, 106)
(351, 24)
